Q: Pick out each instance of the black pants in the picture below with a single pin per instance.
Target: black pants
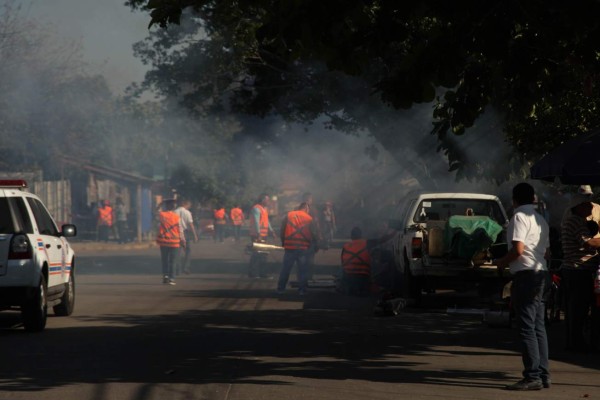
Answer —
(103, 232)
(258, 264)
(219, 232)
(580, 303)
(356, 284)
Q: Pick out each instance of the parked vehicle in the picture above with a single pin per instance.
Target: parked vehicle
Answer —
(37, 264)
(448, 241)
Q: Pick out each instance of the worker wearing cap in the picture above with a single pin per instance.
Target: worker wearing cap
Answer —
(356, 276)
(298, 234)
(220, 221)
(586, 192)
(260, 228)
(580, 263)
(169, 238)
(237, 219)
(356, 264)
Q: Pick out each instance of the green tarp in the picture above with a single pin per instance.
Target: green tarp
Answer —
(464, 236)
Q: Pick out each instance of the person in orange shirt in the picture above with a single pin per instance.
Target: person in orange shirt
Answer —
(169, 238)
(220, 220)
(356, 264)
(298, 234)
(237, 219)
(105, 220)
(260, 228)
(356, 261)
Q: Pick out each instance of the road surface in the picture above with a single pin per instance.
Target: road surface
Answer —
(220, 335)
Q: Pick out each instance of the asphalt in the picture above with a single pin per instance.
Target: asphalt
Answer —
(93, 246)
(231, 337)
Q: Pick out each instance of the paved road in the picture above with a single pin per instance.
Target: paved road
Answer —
(219, 335)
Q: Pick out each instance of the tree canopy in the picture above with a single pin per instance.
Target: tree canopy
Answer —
(532, 65)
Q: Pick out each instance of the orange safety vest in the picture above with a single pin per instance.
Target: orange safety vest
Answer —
(168, 229)
(237, 216)
(297, 234)
(263, 222)
(355, 258)
(219, 216)
(105, 216)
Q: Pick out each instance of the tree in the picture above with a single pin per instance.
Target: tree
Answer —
(50, 106)
(534, 65)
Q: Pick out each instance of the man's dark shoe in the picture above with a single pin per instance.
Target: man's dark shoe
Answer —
(546, 383)
(525, 384)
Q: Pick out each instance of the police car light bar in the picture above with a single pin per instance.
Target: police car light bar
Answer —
(13, 183)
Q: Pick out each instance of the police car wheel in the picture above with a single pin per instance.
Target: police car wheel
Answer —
(67, 301)
(35, 309)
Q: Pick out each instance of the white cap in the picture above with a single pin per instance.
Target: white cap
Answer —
(585, 189)
(583, 195)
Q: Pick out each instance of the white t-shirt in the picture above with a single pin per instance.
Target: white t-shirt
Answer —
(185, 218)
(530, 228)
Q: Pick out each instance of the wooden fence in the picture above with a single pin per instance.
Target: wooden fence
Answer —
(56, 195)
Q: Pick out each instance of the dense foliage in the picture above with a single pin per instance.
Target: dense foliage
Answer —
(525, 71)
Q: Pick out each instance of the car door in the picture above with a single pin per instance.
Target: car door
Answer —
(49, 241)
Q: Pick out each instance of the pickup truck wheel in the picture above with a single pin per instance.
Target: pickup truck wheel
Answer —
(67, 301)
(411, 286)
(35, 308)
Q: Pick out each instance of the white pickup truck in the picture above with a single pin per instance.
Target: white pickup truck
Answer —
(447, 241)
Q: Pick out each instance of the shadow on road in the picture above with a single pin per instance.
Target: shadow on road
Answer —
(329, 338)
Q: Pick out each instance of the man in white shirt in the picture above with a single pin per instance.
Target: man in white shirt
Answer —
(528, 234)
(186, 225)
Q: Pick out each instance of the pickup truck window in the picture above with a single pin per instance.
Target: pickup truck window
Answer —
(442, 209)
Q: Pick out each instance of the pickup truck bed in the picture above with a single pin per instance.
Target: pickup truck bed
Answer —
(447, 241)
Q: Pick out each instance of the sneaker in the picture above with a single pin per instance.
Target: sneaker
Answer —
(525, 384)
(165, 279)
(172, 283)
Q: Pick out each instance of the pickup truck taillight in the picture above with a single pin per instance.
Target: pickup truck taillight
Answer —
(416, 247)
(20, 248)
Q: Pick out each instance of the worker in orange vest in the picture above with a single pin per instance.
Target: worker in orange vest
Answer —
(356, 262)
(298, 234)
(312, 251)
(237, 219)
(105, 220)
(260, 228)
(169, 238)
(220, 221)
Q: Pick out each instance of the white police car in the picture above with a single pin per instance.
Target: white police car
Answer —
(37, 264)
